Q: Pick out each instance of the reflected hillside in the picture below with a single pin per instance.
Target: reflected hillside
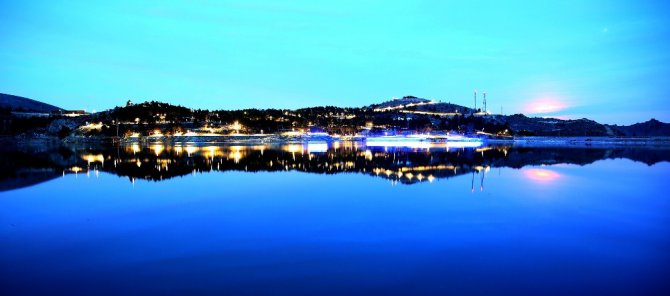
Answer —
(25, 165)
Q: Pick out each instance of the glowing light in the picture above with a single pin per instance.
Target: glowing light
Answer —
(235, 153)
(91, 126)
(157, 148)
(408, 144)
(236, 126)
(368, 154)
(424, 145)
(317, 147)
(423, 141)
(211, 151)
(190, 150)
(292, 134)
(94, 158)
(545, 105)
(541, 175)
(293, 148)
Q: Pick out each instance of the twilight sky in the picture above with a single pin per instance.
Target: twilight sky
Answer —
(605, 60)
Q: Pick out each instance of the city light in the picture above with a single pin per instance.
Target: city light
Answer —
(236, 126)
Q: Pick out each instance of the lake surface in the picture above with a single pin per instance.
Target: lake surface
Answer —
(334, 219)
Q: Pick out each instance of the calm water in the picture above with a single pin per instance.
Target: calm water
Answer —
(334, 220)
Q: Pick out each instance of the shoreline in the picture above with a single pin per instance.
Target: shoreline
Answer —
(583, 141)
(532, 141)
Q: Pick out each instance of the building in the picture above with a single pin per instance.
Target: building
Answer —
(70, 113)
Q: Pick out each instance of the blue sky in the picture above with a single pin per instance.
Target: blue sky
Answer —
(606, 60)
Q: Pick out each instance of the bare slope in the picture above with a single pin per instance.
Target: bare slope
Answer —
(21, 104)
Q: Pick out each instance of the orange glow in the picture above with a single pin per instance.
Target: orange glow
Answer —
(157, 148)
(541, 175)
(292, 148)
(235, 153)
(94, 158)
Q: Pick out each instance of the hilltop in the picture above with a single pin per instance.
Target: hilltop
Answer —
(650, 128)
(21, 104)
(412, 104)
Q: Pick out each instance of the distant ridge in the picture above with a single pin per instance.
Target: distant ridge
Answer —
(650, 128)
(21, 104)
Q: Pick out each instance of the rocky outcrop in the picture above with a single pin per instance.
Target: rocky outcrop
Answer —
(58, 125)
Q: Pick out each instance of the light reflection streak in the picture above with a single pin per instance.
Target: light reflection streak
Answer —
(424, 145)
(191, 150)
(135, 147)
(91, 158)
(158, 148)
(317, 147)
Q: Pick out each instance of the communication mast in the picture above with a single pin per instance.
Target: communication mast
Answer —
(475, 110)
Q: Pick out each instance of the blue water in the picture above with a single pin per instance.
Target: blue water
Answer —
(563, 229)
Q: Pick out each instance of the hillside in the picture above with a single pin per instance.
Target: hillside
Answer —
(535, 126)
(651, 128)
(408, 114)
(21, 104)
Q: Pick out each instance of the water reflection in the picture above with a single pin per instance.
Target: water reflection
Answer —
(542, 175)
(337, 233)
(23, 166)
(481, 172)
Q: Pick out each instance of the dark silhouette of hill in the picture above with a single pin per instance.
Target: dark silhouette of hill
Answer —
(651, 128)
(21, 104)
(535, 126)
